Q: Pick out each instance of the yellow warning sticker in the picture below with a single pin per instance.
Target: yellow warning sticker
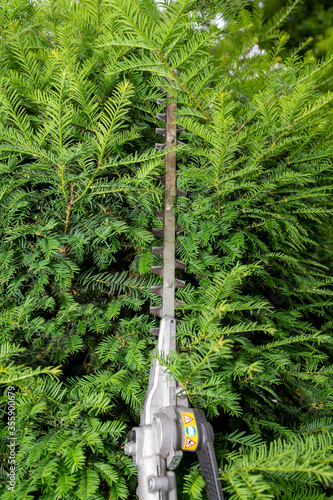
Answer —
(190, 431)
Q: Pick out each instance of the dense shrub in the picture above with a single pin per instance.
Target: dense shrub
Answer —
(78, 90)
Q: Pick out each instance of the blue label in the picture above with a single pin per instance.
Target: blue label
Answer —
(191, 431)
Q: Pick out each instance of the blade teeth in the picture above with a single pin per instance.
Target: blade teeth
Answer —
(154, 331)
(157, 251)
(157, 270)
(179, 264)
(162, 90)
(180, 192)
(158, 231)
(157, 310)
(180, 128)
(179, 283)
(157, 290)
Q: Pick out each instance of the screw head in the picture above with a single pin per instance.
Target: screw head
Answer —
(169, 284)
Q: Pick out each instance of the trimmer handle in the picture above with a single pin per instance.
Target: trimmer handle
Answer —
(208, 464)
(202, 439)
(157, 449)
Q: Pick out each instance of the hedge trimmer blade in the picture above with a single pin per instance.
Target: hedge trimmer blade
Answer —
(168, 426)
(168, 232)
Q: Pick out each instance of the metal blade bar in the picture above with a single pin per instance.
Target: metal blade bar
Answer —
(169, 243)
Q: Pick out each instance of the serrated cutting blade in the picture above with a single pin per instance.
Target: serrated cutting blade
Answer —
(168, 232)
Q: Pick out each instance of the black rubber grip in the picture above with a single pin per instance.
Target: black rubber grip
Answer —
(208, 464)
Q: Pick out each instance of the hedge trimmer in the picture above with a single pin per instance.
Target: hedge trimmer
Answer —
(168, 426)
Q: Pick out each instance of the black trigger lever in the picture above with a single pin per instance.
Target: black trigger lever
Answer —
(208, 462)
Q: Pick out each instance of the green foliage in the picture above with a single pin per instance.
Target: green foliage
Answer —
(312, 21)
(78, 88)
